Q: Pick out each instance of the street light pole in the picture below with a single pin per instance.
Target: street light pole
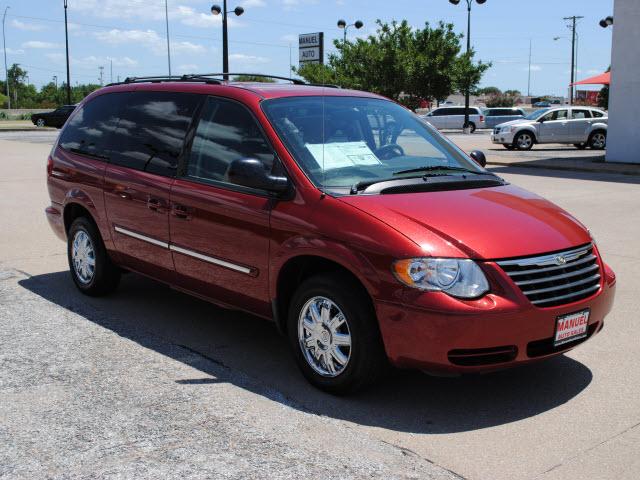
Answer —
(216, 10)
(467, 93)
(343, 24)
(529, 81)
(573, 55)
(6, 70)
(66, 38)
(166, 16)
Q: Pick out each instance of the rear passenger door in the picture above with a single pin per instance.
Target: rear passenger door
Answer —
(580, 124)
(219, 230)
(455, 119)
(145, 150)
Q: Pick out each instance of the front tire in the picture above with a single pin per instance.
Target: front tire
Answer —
(41, 123)
(524, 141)
(91, 268)
(334, 335)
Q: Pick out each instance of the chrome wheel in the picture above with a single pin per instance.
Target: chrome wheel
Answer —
(599, 141)
(324, 336)
(40, 122)
(524, 141)
(83, 256)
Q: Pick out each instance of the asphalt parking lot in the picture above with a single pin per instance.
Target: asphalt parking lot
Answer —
(152, 383)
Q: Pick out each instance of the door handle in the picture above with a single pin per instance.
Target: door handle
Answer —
(122, 191)
(154, 204)
(180, 211)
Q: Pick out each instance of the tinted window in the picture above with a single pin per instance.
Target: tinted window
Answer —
(597, 114)
(226, 132)
(441, 112)
(89, 130)
(151, 132)
(580, 114)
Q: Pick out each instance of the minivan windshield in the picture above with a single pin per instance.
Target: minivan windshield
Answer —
(537, 114)
(340, 142)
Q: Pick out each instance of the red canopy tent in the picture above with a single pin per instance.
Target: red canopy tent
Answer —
(602, 79)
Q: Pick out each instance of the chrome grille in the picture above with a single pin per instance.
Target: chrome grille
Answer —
(557, 278)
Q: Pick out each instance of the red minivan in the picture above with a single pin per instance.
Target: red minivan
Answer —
(365, 235)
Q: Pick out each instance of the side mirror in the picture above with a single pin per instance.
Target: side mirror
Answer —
(479, 158)
(541, 120)
(250, 172)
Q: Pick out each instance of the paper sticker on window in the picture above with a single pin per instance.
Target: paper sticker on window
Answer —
(342, 154)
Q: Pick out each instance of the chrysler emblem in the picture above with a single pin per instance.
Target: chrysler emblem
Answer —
(560, 260)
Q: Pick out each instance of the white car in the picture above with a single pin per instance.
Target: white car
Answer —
(580, 126)
(453, 117)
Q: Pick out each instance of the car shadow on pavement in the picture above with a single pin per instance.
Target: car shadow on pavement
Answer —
(234, 347)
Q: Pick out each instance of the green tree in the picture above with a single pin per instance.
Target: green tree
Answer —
(501, 100)
(253, 78)
(513, 93)
(401, 63)
(487, 91)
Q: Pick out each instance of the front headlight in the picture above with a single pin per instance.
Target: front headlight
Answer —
(506, 129)
(460, 278)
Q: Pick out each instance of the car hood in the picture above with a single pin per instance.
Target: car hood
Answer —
(482, 223)
(520, 121)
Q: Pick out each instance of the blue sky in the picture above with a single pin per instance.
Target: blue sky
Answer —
(131, 35)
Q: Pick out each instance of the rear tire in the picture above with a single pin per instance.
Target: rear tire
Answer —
(334, 335)
(472, 127)
(598, 140)
(91, 268)
(524, 141)
(41, 122)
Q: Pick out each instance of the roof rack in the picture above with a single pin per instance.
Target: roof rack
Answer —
(212, 78)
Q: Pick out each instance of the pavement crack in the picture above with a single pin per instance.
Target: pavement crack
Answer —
(586, 450)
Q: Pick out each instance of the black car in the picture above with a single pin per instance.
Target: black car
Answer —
(53, 119)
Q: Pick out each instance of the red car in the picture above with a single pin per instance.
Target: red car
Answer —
(366, 236)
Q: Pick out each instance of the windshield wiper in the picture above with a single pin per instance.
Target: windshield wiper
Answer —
(431, 168)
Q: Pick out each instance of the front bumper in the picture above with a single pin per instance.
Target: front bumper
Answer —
(502, 138)
(434, 332)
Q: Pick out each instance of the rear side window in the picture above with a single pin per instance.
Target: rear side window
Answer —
(226, 132)
(580, 114)
(152, 129)
(89, 130)
(597, 114)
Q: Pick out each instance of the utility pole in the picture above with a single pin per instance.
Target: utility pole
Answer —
(573, 19)
(6, 70)
(66, 39)
(529, 81)
(101, 68)
(166, 16)
(55, 80)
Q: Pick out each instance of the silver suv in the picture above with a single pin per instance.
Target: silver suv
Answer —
(580, 126)
(453, 117)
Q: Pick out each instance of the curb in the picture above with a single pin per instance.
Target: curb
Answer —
(28, 129)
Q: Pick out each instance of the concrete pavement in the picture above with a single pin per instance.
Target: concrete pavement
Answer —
(152, 383)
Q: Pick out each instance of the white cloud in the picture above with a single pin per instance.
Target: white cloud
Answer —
(254, 3)
(244, 60)
(12, 51)
(93, 61)
(149, 39)
(39, 44)
(188, 68)
(31, 27)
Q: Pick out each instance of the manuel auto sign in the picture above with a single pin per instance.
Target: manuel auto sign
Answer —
(311, 48)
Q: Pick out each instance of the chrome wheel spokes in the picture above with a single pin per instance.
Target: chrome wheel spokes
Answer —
(83, 257)
(324, 336)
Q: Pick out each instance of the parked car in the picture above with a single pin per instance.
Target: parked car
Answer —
(453, 118)
(56, 118)
(542, 104)
(496, 116)
(365, 235)
(581, 126)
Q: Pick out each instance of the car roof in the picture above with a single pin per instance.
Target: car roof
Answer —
(260, 89)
